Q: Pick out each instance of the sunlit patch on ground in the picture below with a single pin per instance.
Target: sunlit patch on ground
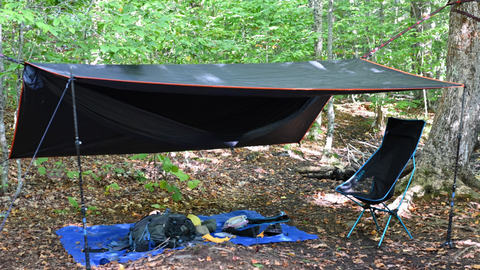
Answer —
(330, 199)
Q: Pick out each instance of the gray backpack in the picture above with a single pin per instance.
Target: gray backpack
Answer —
(169, 230)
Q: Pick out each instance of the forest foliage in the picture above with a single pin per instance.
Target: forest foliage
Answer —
(213, 31)
(209, 31)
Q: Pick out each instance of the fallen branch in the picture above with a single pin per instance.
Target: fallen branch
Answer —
(327, 172)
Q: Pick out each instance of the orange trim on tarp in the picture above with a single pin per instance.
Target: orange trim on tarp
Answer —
(404, 72)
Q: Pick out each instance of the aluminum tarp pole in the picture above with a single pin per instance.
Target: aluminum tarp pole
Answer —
(86, 248)
(449, 242)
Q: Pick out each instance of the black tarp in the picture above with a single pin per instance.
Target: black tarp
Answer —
(125, 109)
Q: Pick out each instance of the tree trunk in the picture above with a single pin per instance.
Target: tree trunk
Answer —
(317, 26)
(420, 9)
(327, 150)
(317, 6)
(379, 123)
(435, 171)
(19, 91)
(331, 19)
(421, 58)
(3, 140)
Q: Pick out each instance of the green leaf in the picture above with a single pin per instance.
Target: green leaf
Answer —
(13, 5)
(157, 206)
(114, 186)
(193, 184)
(96, 177)
(105, 49)
(170, 188)
(42, 26)
(111, 186)
(138, 156)
(167, 165)
(119, 171)
(163, 24)
(39, 161)
(72, 174)
(257, 265)
(13, 67)
(73, 202)
(149, 187)
(182, 176)
(114, 49)
(176, 196)
(42, 170)
(163, 184)
(161, 158)
(140, 33)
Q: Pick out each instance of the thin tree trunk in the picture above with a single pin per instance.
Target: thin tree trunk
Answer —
(20, 57)
(425, 103)
(3, 139)
(331, 19)
(327, 150)
(420, 9)
(317, 26)
(379, 123)
(317, 7)
(435, 171)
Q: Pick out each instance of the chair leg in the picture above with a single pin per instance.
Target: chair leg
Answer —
(385, 230)
(405, 227)
(372, 210)
(393, 213)
(356, 222)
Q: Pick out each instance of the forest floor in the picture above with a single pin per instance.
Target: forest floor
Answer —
(263, 179)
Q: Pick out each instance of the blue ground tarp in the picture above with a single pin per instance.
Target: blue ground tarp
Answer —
(100, 235)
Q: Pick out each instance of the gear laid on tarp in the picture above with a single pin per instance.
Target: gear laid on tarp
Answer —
(100, 236)
(125, 109)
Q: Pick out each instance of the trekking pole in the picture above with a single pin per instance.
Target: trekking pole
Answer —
(86, 248)
(449, 242)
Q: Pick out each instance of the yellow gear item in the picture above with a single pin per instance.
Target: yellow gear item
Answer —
(210, 238)
(196, 221)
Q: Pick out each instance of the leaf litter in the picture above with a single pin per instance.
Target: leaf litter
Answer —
(261, 178)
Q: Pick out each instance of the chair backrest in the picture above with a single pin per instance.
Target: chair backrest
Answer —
(375, 181)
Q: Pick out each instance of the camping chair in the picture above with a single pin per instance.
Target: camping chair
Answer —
(374, 183)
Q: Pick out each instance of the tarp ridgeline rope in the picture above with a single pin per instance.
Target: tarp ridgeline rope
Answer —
(421, 21)
(11, 59)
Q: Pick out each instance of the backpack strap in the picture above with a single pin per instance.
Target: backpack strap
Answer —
(146, 233)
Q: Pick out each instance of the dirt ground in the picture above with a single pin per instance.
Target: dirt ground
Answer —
(263, 179)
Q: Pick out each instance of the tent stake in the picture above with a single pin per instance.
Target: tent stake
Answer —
(86, 248)
(449, 242)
